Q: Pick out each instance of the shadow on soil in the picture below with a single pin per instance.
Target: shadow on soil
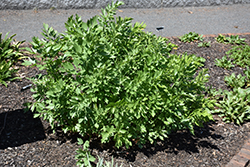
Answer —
(179, 141)
(19, 128)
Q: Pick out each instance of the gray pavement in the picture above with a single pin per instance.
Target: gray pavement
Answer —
(97, 4)
(176, 21)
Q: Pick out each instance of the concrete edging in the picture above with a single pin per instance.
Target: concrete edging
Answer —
(92, 4)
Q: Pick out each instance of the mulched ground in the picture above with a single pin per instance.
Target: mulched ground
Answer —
(25, 141)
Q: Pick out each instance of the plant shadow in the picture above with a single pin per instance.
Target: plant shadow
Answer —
(19, 128)
(176, 142)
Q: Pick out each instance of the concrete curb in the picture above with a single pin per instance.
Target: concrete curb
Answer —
(97, 4)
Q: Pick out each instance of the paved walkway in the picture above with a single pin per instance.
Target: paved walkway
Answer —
(176, 21)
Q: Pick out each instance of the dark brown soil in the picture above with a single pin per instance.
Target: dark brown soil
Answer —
(28, 141)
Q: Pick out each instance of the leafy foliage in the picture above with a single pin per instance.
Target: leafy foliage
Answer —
(233, 39)
(84, 157)
(191, 36)
(235, 82)
(6, 72)
(9, 54)
(235, 106)
(204, 44)
(247, 73)
(241, 55)
(108, 77)
(224, 63)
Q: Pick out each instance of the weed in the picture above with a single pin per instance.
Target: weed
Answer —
(191, 36)
(233, 39)
(204, 44)
(9, 55)
(235, 106)
(224, 63)
(235, 82)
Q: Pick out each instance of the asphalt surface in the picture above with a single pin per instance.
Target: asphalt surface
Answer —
(176, 21)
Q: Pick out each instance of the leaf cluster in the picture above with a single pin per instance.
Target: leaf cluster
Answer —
(235, 106)
(83, 155)
(204, 44)
(9, 55)
(247, 73)
(224, 62)
(233, 39)
(191, 36)
(235, 81)
(240, 55)
(85, 158)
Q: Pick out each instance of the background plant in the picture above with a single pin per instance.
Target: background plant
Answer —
(204, 44)
(9, 55)
(235, 106)
(224, 63)
(233, 39)
(191, 36)
(240, 55)
(235, 82)
(247, 73)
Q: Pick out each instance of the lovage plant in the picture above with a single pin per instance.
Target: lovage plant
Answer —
(107, 77)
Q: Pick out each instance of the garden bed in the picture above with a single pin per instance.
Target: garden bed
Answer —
(28, 141)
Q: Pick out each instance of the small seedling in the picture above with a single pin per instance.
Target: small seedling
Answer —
(224, 63)
(233, 39)
(235, 82)
(191, 36)
(204, 44)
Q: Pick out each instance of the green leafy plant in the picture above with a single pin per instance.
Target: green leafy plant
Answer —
(224, 63)
(235, 106)
(9, 55)
(204, 44)
(240, 55)
(221, 38)
(234, 81)
(191, 36)
(109, 78)
(233, 39)
(102, 163)
(84, 158)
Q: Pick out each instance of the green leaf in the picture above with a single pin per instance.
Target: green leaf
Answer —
(78, 48)
(68, 66)
(80, 142)
(45, 26)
